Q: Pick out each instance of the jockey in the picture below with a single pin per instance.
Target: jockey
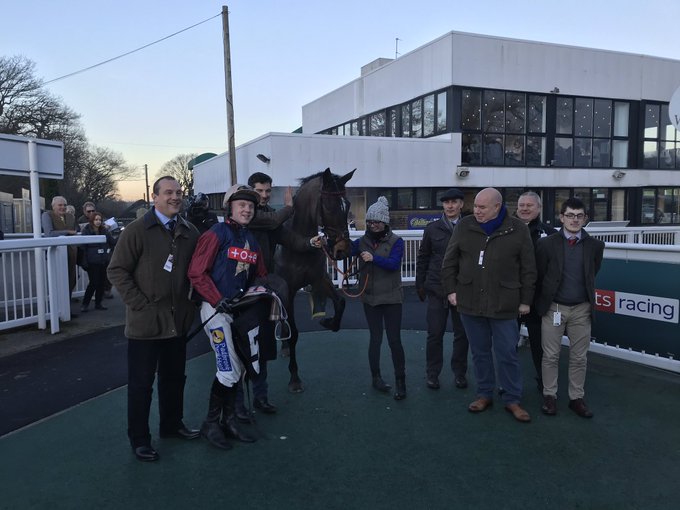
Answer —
(225, 263)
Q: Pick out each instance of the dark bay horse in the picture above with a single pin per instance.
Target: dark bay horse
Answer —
(320, 204)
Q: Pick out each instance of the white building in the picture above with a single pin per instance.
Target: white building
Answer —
(473, 111)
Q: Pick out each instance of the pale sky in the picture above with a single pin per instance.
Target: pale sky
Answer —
(169, 99)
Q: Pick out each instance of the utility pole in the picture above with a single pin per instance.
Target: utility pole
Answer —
(146, 178)
(230, 99)
(396, 47)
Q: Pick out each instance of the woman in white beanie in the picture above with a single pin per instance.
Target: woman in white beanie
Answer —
(381, 251)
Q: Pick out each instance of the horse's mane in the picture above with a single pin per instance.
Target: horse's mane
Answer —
(305, 180)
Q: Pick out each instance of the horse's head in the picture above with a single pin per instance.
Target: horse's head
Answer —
(333, 210)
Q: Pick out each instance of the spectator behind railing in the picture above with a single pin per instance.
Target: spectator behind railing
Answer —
(95, 259)
(58, 222)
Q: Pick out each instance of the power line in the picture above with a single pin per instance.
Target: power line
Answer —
(130, 52)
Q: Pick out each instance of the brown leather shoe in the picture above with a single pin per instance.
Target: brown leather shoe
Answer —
(479, 405)
(579, 407)
(519, 413)
(549, 405)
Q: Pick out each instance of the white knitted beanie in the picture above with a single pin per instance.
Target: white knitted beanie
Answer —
(380, 211)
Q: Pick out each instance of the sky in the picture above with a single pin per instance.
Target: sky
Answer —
(169, 98)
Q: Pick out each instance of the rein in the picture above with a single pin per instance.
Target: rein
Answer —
(353, 271)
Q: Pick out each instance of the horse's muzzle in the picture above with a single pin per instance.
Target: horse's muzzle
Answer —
(341, 249)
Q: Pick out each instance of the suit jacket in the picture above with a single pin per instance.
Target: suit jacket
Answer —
(550, 265)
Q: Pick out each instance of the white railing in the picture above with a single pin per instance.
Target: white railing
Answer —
(628, 235)
(21, 260)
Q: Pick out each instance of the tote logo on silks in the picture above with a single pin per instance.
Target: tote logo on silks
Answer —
(637, 305)
(221, 350)
(242, 255)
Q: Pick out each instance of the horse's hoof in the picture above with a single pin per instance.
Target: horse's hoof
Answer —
(331, 324)
(295, 387)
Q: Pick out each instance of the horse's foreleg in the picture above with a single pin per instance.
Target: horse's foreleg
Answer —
(295, 383)
(333, 323)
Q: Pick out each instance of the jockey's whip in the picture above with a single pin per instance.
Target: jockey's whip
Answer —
(200, 328)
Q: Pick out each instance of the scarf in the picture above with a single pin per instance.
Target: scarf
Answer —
(492, 225)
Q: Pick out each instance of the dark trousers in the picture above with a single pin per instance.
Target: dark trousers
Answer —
(146, 357)
(96, 273)
(390, 317)
(259, 385)
(533, 323)
(438, 310)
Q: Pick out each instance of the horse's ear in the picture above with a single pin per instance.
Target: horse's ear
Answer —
(327, 178)
(343, 180)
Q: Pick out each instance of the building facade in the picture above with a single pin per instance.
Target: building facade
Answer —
(473, 111)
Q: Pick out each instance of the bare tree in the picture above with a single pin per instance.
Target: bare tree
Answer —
(27, 109)
(178, 167)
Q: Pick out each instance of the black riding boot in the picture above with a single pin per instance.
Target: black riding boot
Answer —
(211, 429)
(400, 391)
(379, 384)
(229, 421)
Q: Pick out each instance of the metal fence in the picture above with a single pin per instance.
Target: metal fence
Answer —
(34, 284)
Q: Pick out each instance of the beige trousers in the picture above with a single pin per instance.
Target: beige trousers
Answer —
(575, 321)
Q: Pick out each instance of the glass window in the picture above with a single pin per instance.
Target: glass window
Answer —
(472, 149)
(648, 206)
(618, 205)
(514, 150)
(583, 149)
(392, 121)
(471, 111)
(667, 155)
(493, 150)
(584, 195)
(404, 198)
(515, 112)
(377, 122)
(668, 131)
(428, 115)
(564, 115)
(561, 196)
(347, 129)
(417, 118)
(650, 151)
(583, 117)
(535, 154)
(354, 130)
(652, 121)
(601, 153)
(493, 111)
(621, 114)
(537, 114)
(602, 118)
(406, 120)
(441, 112)
(563, 151)
(424, 198)
(620, 154)
(600, 203)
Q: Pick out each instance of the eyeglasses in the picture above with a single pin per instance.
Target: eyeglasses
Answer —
(89, 211)
(372, 222)
(571, 216)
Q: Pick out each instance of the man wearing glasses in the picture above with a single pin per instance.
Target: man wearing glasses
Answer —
(567, 262)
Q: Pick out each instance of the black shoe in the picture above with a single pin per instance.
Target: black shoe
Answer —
(146, 454)
(381, 385)
(433, 383)
(549, 406)
(263, 405)
(182, 433)
(461, 382)
(100, 307)
(230, 428)
(212, 431)
(579, 407)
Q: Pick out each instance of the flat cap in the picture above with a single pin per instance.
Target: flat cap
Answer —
(452, 194)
